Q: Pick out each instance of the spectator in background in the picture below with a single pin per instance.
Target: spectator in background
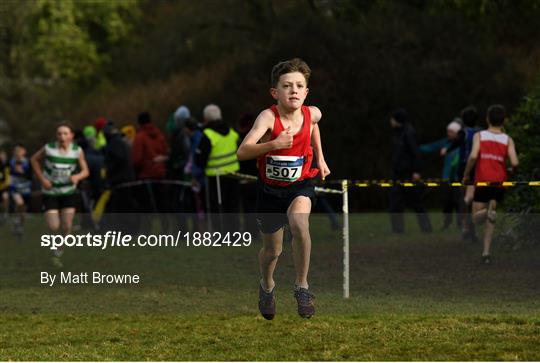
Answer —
(119, 169)
(91, 187)
(149, 154)
(150, 150)
(405, 166)
(248, 188)
(179, 141)
(95, 161)
(4, 185)
(450, 169)
(216, 155)
(128, 134)
(470, 118)
(117, 153)
(99, 124)
(191, 169)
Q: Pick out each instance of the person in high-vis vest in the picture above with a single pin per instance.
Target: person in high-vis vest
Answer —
(216, 155)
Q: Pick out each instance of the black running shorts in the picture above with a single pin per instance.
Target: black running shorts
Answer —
(59, 202)
(485, 194)
(273, 203)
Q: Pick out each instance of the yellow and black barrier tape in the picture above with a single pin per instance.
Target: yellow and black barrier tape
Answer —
(438, 183)
(429, 183)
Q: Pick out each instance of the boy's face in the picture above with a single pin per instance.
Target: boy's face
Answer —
(19, 152)
(64, 135)
(291, 90)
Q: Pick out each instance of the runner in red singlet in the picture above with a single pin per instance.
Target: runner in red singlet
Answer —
(490, 151)
(281, 139)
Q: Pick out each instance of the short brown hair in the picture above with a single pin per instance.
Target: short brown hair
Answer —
(67, 124)
(496, 115)
(289, 66)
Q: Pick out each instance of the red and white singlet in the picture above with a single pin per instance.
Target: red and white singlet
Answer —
(491, 165)
(285, 167)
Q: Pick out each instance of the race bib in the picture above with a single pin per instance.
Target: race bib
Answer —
(61, 174)
(284, 168)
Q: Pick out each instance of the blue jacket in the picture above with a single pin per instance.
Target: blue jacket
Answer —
(451, 159)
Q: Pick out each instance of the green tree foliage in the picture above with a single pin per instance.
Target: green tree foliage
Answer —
(524, 127)
(52, 48)
(367, 56)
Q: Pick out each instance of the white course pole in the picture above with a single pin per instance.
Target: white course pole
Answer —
(344, 189)
(220, 205)
(218, 186)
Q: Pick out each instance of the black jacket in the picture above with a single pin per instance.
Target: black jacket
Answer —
(405, 152)
(118, 160)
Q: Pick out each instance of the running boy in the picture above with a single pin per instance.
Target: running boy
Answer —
(490, 150)
(20, 186)
(281, 139)
(4, 186)
(59, 181)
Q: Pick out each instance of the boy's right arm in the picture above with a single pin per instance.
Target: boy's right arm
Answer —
(34, 161)
(512, 155)
(251, 149)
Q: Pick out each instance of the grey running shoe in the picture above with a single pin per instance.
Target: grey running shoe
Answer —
(57, 262)
(267, 303)
(486, 260)
(306, 302)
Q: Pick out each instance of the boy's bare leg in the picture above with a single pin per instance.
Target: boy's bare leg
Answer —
(5, 207)
(66, 217)
(469, 194)
(465, 213)
(52, 218)
(19, 206)
(480, 216)
(5, 203)
(488, 230)
(19, 214)
(298, 215)
(268, 256)
(479, 213)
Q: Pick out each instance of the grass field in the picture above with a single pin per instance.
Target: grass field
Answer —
(417, 296)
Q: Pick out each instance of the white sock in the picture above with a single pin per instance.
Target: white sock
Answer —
(265, 288)
(296, 287)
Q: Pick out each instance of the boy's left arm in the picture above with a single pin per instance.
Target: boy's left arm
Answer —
(316, 142)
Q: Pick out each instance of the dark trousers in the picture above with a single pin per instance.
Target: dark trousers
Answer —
(120, 211)
(451, 204)
(223, 217)
(248, 195)
(400, 197)
(154, 198)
